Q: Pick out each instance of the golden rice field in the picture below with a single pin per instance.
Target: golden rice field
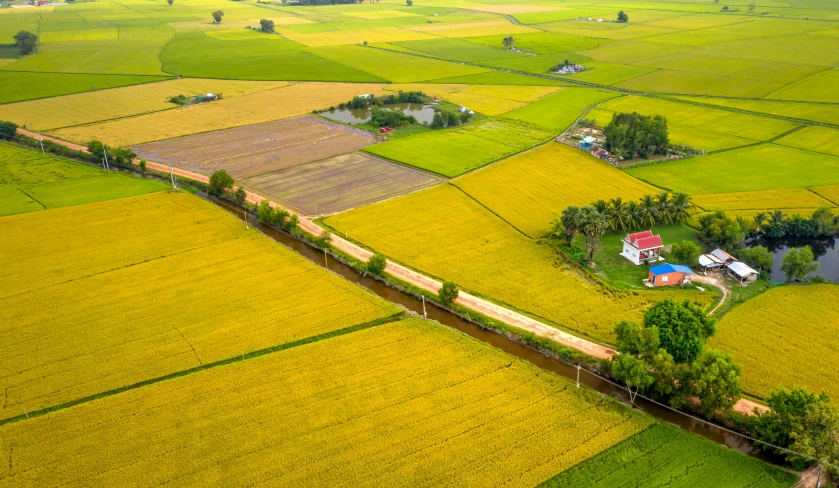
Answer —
(403, 404)
(94, 106)
(760, 200)
(447, 234)
(797, 326)
(279, 103)
(828, 192)
(486, 99)
(127, 290)
(474, 29)
(533, 188)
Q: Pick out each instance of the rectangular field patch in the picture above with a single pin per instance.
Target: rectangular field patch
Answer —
(138, 288)
(340, 183)
(761, 200)
(386, 406)
(258, 149)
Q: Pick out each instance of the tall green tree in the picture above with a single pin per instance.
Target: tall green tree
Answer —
(507, 42)
(787, 409)
(681, 206)
(649, 211)
(757, 257)
(682, 328)
(716, 382)
(26, 42)
(217, 16)
(817, 435)
(798, 263)
(377, 264)
(618, 214)
(594, 225)
(220, 181)
(8, 130)
(686, 252)
(267, 25)
(572, 221)
(448, 293)
(633, 372)
(622, 17)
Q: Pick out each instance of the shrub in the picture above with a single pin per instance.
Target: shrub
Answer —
(8, 130)
(377, 263)
(448, 293)
(220, 181)
(686, 252)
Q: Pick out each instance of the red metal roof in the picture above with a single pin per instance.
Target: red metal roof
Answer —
(649, 243)
(638, 235)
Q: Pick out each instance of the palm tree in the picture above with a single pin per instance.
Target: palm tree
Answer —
(571, 221)
(635, 215)
(556, 229)
(619, 216)
(649, 211)
(759, 220)
(777, 217)
(508, 42)
(681, 205)
(665, 213)
(594, 226)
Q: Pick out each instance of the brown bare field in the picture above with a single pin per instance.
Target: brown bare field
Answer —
(340, 183)
(257, 149)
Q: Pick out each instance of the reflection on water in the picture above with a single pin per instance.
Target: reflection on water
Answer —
(423, 113)
(824, 248)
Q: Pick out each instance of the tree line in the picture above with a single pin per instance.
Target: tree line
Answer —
(595, 220)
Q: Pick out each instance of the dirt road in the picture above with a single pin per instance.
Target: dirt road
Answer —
(485, 307)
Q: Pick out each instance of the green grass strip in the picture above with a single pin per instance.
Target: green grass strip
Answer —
(223, 362)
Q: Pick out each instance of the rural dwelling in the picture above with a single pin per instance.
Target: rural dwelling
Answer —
(723, 256)
(669, 275)
(586, 142)
(741, 272)
(709, 262)
(641, 247)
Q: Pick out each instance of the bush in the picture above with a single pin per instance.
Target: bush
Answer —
(686, 252)
(219, 182)
(448, 293)
(377, 263)
(8, 130)
(239, 195)
(142, 166)
(267, 25)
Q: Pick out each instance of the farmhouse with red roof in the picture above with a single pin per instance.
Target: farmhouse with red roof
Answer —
(642, 247)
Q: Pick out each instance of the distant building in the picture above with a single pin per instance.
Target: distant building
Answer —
(586, 142)
(600, 153)
(642, 247)
(741, 272)
(669, 275)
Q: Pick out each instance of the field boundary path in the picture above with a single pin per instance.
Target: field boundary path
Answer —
(417, 279)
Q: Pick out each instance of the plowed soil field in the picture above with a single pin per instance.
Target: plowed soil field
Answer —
(258, 149)
(341, 182)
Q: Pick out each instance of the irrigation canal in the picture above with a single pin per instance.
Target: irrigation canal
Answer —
(588, 379)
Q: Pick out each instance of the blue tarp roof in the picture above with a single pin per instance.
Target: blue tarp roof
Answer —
(670, 268)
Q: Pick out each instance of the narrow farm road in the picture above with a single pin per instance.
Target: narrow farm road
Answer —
(718, 282)
(415, 278)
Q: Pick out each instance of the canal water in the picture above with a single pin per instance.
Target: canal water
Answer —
(824, 249)
(423, 113)
(587, 378)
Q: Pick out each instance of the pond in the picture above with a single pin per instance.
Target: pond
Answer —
(825, 249)
(423, 113)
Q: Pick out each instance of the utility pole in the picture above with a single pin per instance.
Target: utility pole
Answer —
(41, 139)
(246, 219)
(819, 477)
(424, 315)
(325, 258)
(172, 177)
(578, 376)
(105, 152)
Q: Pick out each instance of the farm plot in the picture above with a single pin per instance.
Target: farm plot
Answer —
(817, 112)
(795, 325)
(452, 152)
(459, 49)
(749, 127)
(656, 457)
(355, 36)
(107, 56)
(560, 110)
(340, 183)
(279, 103)
(99, 105)
(463, 242)
(828, 192)
(114, 296)
(474, 29)
(761, 200)
(763, 167)
(258, 149)
(533, 188)
(486, 99)
(19, 86)
(403, 404)
(687, 83)
(30, 181)
(541, 43)
(813, 138)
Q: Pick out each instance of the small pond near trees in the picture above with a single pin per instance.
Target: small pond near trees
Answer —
(423, 113)
(825, 249)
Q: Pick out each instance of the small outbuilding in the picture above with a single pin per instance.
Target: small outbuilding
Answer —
(586, 142)
(669, 275)
(600, 153)
(741, 272)
(642, 247)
